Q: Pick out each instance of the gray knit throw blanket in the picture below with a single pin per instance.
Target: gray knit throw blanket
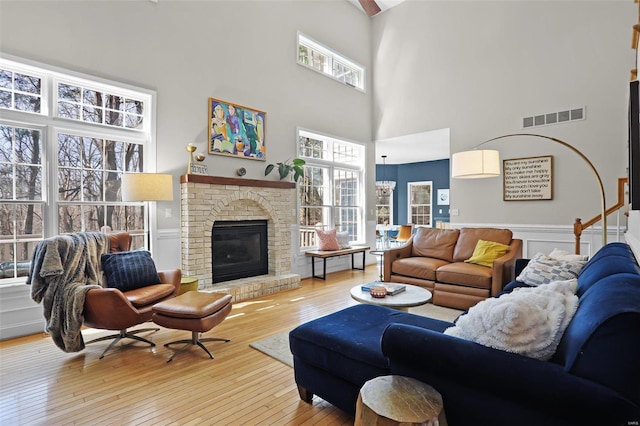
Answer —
(63, 269)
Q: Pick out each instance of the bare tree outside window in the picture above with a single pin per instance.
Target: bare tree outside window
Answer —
(330, 191)
(21, 217)
(90, 174)
(101, 107)
(19, 91)
(105, 135)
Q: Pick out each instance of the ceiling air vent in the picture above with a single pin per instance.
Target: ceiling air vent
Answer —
(554, 117)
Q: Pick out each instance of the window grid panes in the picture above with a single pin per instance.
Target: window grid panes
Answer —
(82, 163)
(81, 103)
(420, 203)
(20, 91)
(347, 201)
(320, 58)
(330, 191)
(346, 74)
(383, 205)
(89, 178)
(21, 202)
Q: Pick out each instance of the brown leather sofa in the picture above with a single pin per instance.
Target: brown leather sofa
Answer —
(112, 309)
(434, 259)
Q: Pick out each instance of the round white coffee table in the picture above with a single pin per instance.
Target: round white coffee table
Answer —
(412, 296)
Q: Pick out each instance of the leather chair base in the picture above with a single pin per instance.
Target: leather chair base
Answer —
(123, 334)
(195, 340)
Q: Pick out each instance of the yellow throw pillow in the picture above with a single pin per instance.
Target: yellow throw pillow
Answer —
(486, 252)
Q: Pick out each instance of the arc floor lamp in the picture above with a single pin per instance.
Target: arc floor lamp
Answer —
(483, 163)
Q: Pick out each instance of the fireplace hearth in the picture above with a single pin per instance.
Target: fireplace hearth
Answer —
(239, 249)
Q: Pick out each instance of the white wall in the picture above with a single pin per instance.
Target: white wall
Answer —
(187, 51)
(478, 67)
(474, 67)
(243, 52)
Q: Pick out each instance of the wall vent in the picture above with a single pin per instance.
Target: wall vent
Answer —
(554, 117)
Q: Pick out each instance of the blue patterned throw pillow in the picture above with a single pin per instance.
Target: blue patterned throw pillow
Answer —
(543, 269)
(129, 270)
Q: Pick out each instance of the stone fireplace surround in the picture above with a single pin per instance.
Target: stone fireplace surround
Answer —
(205, 199)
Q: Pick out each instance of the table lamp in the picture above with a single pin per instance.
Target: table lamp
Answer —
(147, 187)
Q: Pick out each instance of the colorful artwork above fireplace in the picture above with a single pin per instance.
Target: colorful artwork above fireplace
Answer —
(236, 130)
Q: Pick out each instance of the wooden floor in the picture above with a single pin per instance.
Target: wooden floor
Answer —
(133, 384)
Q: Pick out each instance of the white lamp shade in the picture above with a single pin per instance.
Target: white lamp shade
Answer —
(475, 164)
(147, 187)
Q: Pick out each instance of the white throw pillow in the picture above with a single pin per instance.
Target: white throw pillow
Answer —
(543, 269)
(565, 255)
(528, 321)
(343, 239)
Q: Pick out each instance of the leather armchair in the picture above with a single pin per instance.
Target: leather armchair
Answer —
(112, 309)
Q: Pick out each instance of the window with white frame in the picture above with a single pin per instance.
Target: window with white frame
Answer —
(85, 102)
(60, 170)
(21, 91)
(314, 55)
(384, 204)
(420, 203)
(331, 191)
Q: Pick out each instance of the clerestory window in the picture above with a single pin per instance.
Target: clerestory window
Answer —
(318, 57)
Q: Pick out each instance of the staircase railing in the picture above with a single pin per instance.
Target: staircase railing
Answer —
(578, 226)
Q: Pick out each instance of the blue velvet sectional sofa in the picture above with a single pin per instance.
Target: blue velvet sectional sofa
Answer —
(592, 379)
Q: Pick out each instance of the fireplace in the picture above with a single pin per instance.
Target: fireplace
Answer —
(207, 200)
(239, 249)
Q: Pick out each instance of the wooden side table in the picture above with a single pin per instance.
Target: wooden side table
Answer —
(398, 400)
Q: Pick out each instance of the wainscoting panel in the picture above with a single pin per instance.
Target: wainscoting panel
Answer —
(545, 238)
(167, 254)
(19, 315)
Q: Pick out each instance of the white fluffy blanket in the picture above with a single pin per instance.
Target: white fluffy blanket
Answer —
(527, 321)
(63, 269)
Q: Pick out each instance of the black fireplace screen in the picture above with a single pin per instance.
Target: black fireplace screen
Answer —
(239, 249)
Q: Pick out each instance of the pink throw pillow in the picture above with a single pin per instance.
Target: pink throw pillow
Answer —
(327, 240)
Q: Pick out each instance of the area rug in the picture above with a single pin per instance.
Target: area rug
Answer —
(276, 346)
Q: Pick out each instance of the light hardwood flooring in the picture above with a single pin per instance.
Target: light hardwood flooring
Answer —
(133, 384)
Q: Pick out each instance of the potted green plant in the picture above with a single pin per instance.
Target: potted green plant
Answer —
(294, 166)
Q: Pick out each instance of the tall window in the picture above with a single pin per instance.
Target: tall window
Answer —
(331, 192)
(314, 55)
(65, 140)
(384, 205)
(21, 198)
(420, 203)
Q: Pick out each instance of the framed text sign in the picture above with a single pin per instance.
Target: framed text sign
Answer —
(528, 179)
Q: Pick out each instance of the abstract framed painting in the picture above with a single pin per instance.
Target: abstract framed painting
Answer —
(236, 130)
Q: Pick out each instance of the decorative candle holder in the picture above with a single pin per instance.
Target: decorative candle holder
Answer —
(191, 148)
(378, 291)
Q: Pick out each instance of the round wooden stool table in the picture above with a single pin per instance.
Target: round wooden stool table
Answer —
(398, 400)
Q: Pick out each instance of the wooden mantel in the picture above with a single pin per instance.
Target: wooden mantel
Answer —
(219, 180)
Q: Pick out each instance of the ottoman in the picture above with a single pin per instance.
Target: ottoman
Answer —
(193, 311)
(335, 355)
